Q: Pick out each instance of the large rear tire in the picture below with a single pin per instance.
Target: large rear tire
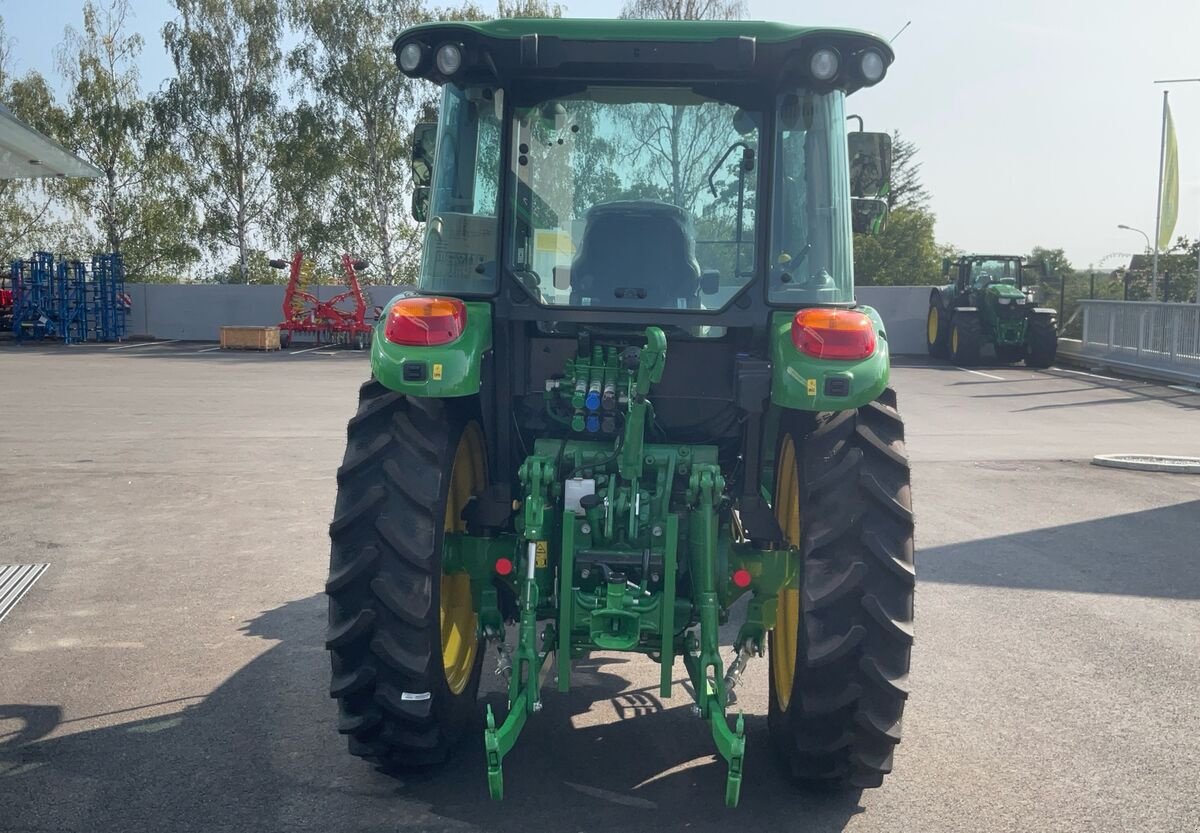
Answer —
(1043, 343)
(937, 330)
(839, 652)
(965, 340)
(402, 635)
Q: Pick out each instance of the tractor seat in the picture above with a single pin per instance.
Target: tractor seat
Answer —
(636, 253)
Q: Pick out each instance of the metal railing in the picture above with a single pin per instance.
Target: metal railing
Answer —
(1150, 336)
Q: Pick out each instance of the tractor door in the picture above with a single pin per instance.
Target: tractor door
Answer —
(962, 286)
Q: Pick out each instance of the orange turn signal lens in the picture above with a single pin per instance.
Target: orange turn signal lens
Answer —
(833, 333)
(425, 322)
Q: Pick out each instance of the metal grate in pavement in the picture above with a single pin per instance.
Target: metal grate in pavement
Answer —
(15, 581)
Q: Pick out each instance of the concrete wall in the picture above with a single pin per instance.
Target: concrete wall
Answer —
(197, 312)
(903, 309)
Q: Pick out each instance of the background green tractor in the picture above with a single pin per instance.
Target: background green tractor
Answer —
(987, 301)
(632, 389)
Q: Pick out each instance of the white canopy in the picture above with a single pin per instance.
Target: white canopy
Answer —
(27, 154)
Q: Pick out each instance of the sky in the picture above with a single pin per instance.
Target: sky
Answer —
(1038, 121)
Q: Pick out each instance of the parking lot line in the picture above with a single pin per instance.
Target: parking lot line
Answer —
(307, 350)
(145, 344)
(208, 349)
(981, 373)
(1084, 373)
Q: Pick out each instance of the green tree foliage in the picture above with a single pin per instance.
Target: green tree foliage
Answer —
(1182, 263)
(308, 159)
(528, 8)
(345, 62)
(906, 253)
(903, 254)
(108, 123)
(357, 131)
(1176, 275)
(25, 205)
(221, 111)
(685, 9)
(906, 190)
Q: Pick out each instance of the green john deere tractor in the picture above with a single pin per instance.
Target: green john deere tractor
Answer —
(632, 388)
(988, 302)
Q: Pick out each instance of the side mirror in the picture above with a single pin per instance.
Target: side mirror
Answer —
(424, 146)
(1044, 267)
(710, 281)
(946, 264)
(360, 265)
(420, 203)
(870, 164)
(868, 215)
(562, 277)
(277, 264)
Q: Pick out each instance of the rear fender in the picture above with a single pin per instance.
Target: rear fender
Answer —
(444, 371)
(804, 383)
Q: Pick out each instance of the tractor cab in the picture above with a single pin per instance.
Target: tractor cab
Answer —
(581, 166)
(978, 272)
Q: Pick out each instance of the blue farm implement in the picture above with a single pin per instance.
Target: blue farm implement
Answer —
(62, 299)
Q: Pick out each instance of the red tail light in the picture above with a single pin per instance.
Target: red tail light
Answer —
(425, 322)
(833, 333)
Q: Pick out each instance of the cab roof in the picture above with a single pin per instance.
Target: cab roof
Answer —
(590, 29)
(748, 50)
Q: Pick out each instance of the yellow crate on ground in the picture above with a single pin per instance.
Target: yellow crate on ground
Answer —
(249, 338)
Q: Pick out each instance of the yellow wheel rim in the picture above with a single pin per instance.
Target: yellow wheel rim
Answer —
(954, 341)
(785, 642)
(459, 625)
(932, 325)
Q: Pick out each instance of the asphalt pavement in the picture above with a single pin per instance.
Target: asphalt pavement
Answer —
(167, 673)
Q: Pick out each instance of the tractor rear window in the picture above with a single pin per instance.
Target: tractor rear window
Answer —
(462, 231)
(634, 197)
(812, 258)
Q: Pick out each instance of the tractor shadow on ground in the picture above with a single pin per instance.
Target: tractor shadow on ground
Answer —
(619, 757)
(260, 753)
(1149, 553)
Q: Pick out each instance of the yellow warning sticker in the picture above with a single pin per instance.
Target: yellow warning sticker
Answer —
(812, 387)
(541, 555)
(437, 373)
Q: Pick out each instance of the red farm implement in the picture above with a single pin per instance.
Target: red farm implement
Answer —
(307, 317)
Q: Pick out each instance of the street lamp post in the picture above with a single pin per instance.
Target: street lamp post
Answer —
(1139, 231)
